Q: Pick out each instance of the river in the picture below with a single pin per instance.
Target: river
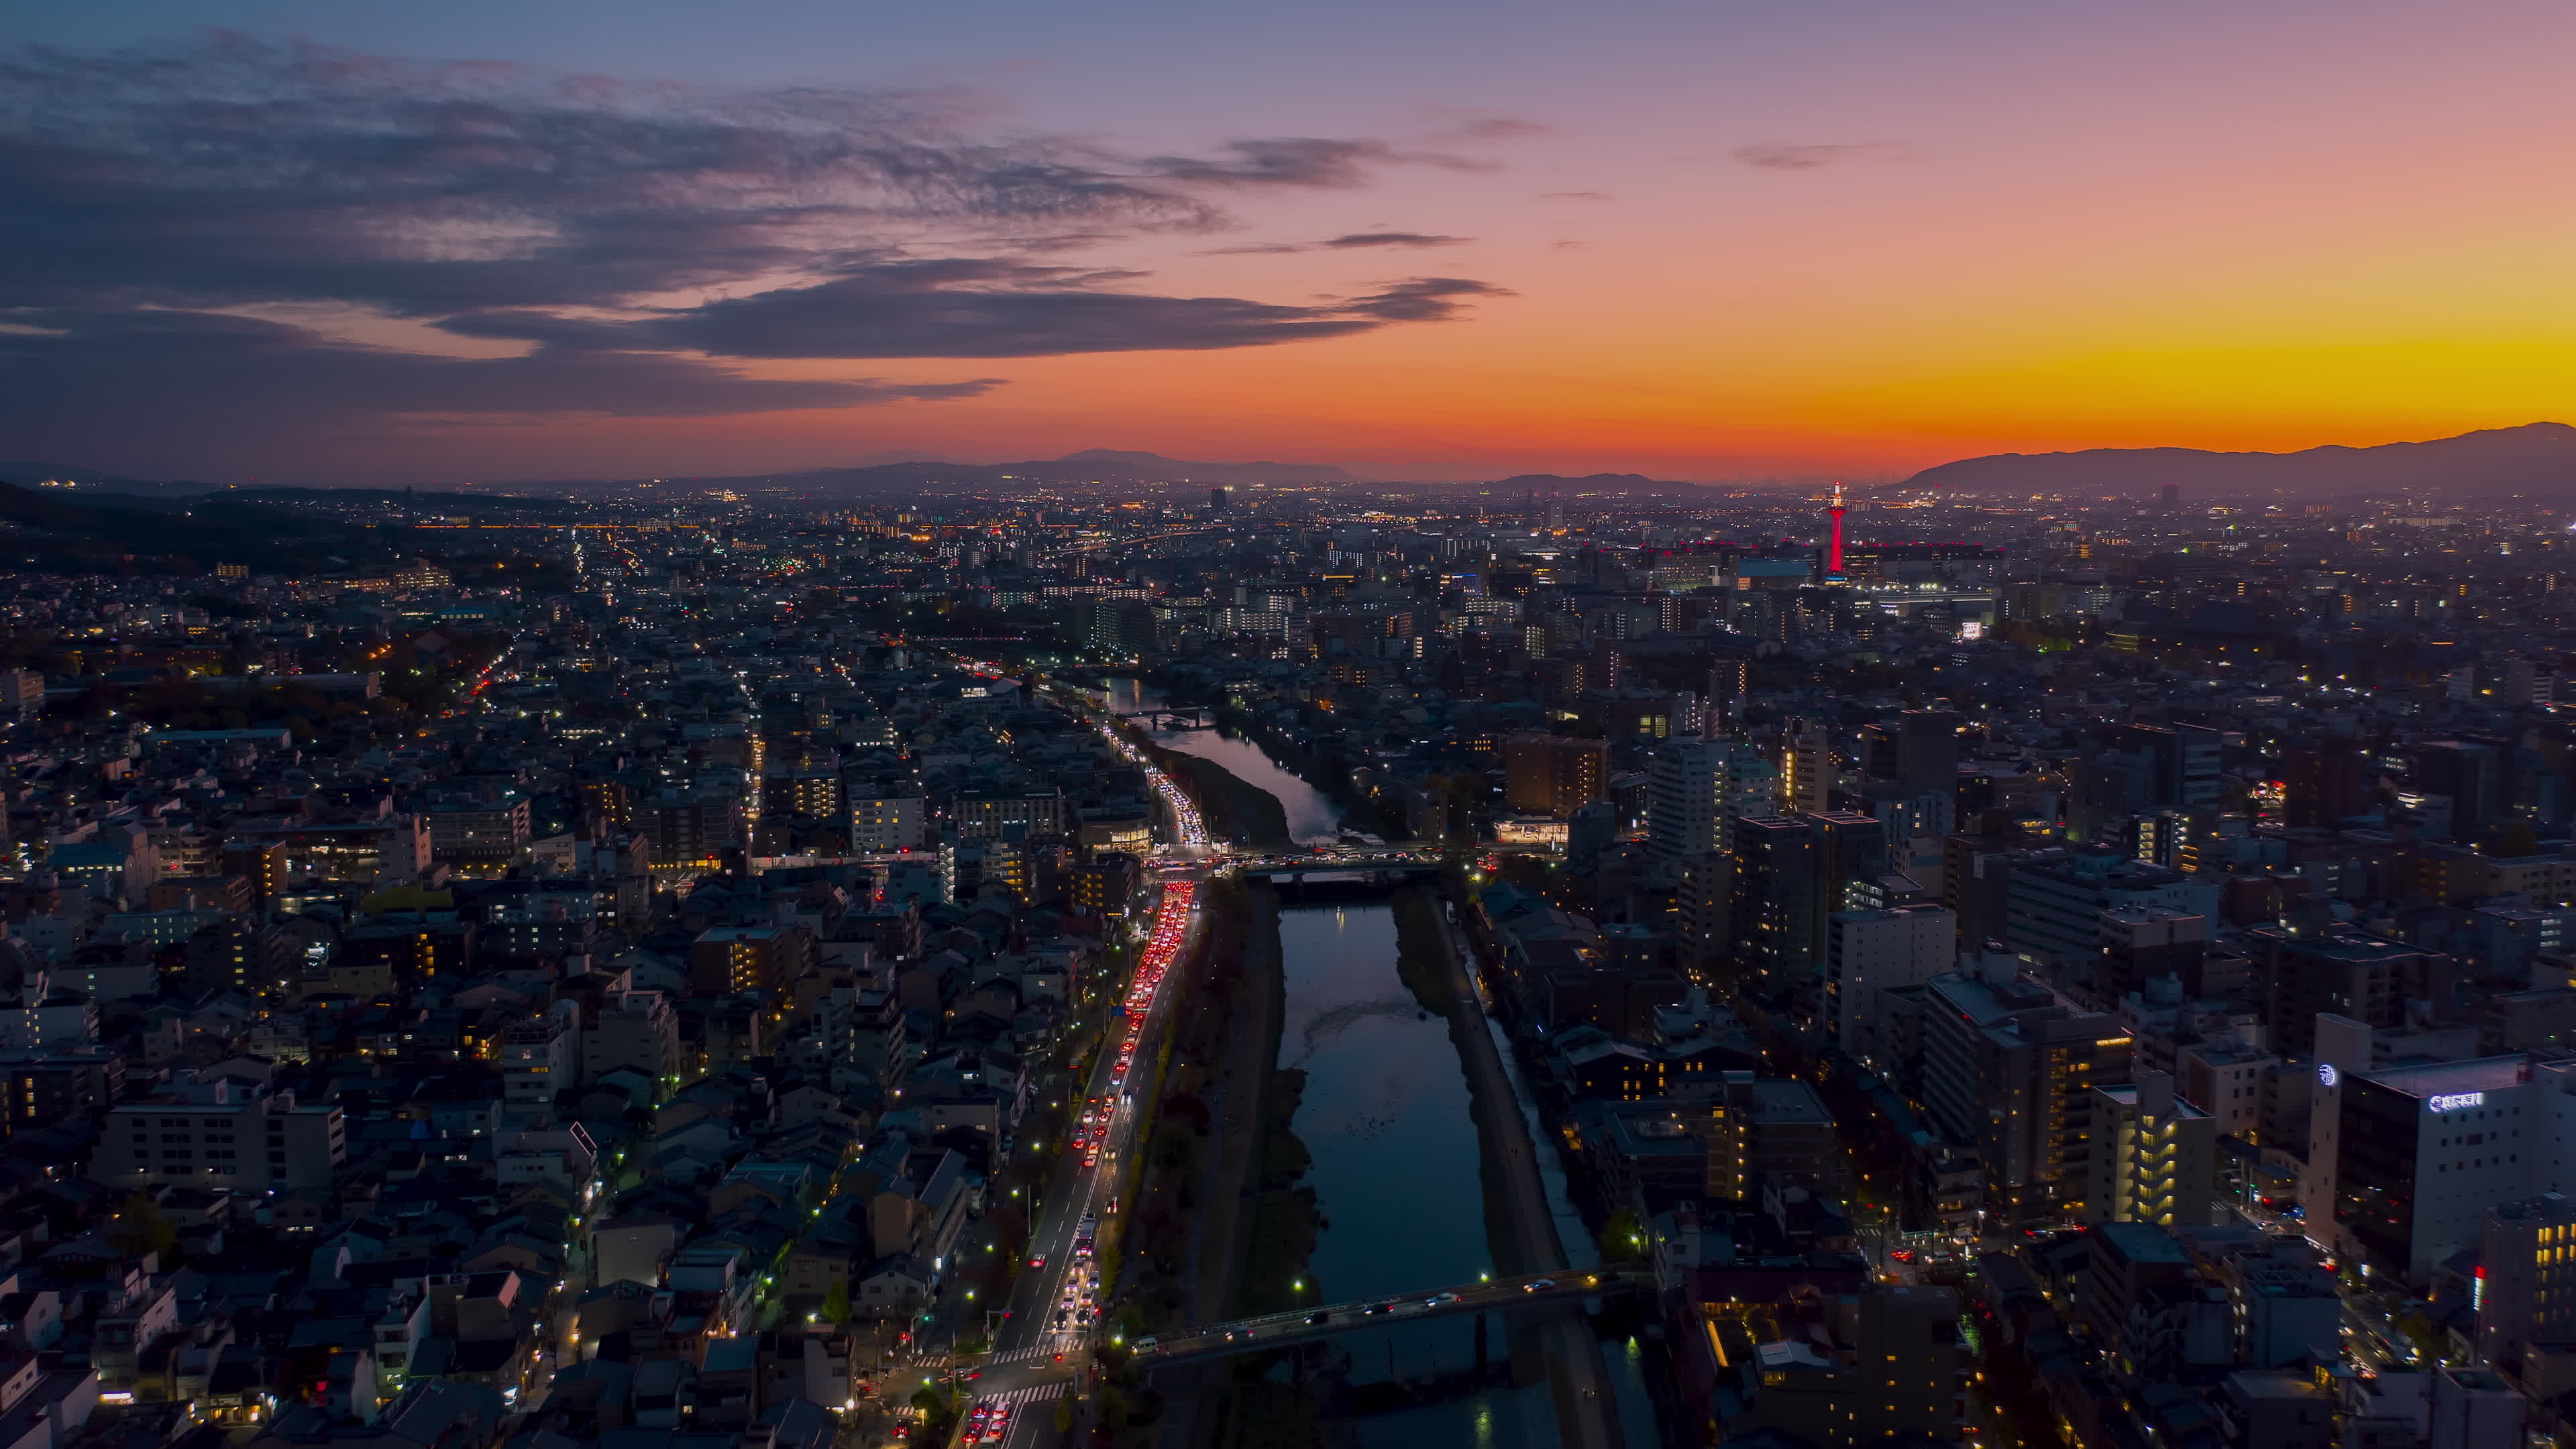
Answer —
(1385, 1117)
(1313, 819)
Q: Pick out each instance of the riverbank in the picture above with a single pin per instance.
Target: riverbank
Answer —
(1205, 1194)
(1231, 809)
(1527, 1243)
(1360, 811)
(1422, 964)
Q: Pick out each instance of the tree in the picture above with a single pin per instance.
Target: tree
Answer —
(836, 1304)
(138, 1228)
(1623, 1238)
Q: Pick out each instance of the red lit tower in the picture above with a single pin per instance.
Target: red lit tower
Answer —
(1834, 552)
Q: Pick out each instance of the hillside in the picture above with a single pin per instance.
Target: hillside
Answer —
(2536, 458)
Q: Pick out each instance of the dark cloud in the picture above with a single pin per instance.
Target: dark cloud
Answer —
(1353, 241)
(154, 196)
(979, 309)
(1779, 156)
(1392, 239)
(242, 171)
(1298, 161)
(229, 375)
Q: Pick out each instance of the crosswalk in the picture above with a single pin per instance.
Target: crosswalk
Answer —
(1020, 1355)
(1014, 1407)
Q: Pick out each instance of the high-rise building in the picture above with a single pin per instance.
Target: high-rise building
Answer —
(2345, 972)
(1772, 901)
(2154, 1155)
(2181, 763)
(2009, 1069)
(1790, 874)
(1551, 774)
(2054, 900)
(1702, 908)
(1121, 628)
(2423, 1151)
(1689, 791)
(1806, 767)
(2471, 776)
(2525, 1292)
(2323, 780)
(2140, 944)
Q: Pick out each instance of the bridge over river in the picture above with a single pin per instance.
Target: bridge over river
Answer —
(1305, 1325)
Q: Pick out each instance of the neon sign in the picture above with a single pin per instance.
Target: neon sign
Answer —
(2457, 1101)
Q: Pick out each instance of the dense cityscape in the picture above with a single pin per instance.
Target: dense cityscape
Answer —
(1377, 724)
(699, 967)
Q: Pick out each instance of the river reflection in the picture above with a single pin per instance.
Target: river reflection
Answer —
(1312, 816)
(1385, 1115)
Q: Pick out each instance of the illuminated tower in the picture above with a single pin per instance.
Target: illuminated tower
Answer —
(1834, 551)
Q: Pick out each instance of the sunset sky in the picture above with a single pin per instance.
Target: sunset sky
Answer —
(360, 243)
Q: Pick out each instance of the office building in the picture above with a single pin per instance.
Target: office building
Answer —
(2421, 1152)
(2154, 1156)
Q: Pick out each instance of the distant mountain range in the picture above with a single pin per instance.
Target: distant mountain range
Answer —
(2534, 458)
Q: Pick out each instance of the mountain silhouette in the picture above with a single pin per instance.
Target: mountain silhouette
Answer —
(2534, 458)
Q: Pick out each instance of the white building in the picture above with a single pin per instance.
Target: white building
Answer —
(221, 1132)
(539, 1058)
(1867, 952)
(888, 822)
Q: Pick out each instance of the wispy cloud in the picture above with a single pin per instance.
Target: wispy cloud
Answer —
(1574, 196)
(1782, 156)
(1486, 130)
(1353, 241)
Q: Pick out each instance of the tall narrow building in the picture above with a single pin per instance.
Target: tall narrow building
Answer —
(1806, 767)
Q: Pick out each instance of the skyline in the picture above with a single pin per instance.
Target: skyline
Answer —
(366, 246)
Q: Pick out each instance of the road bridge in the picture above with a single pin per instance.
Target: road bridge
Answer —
(1307, 1325)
